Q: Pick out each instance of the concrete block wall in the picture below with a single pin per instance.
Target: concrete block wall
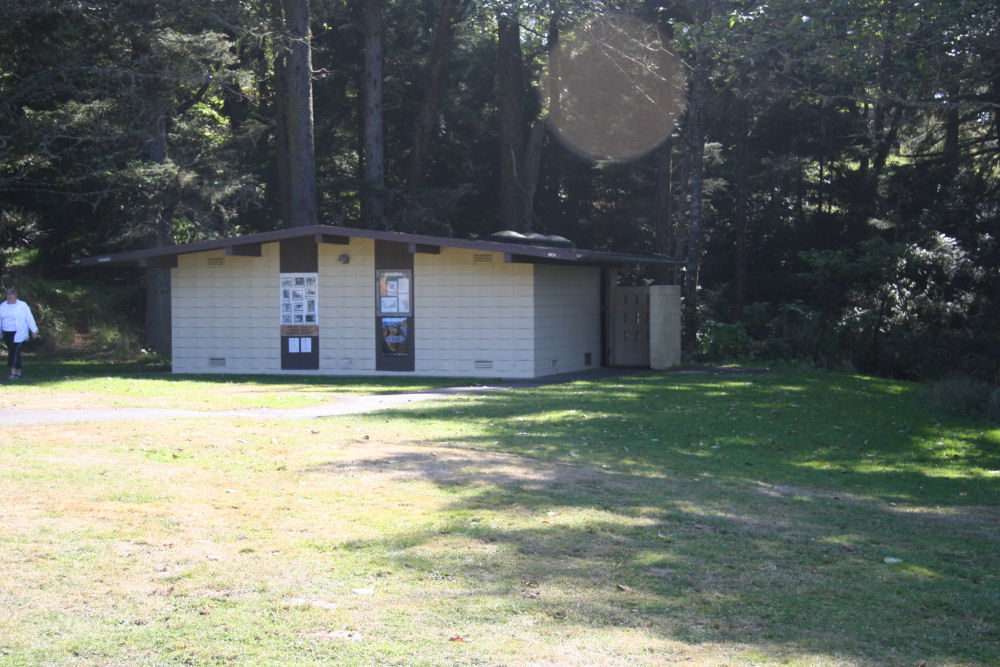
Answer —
(664, 326)
(224, 313)
(567, 321)
(473, 315)
(346, 308)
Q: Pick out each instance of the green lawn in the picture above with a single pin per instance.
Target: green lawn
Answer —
(812, 519)
(87, 384)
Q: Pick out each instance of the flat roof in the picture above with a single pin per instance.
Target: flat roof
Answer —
(249, 245)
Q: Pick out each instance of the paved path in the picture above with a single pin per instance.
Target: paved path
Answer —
(345, 406)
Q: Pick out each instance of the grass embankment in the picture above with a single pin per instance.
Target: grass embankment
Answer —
(793, 519)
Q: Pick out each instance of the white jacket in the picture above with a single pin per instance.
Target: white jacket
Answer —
(24, 320)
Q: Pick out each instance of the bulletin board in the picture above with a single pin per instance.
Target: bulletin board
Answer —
(395, 292)
(299, 304)
(298, 307)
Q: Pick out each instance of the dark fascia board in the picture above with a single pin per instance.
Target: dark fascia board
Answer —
(330, 234)
(594, 258)
(244, 250)
(603, 257)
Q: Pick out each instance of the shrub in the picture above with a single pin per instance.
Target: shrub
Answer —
(776, 349)
(83, 317)
(963, 396)
(718, 341)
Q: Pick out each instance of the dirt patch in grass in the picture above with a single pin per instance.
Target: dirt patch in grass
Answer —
(454, 465)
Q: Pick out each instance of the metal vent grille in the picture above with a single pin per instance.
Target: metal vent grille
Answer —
(216, 261)
(216, 361)
(482, 259)
(484, 364)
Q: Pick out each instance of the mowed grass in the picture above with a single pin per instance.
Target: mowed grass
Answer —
(809, 519)
(69, 385)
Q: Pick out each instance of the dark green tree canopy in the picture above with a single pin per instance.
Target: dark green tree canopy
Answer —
(830, 178)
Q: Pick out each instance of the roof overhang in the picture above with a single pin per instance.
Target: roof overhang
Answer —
(250, 246)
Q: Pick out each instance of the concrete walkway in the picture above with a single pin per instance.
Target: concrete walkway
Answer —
(346, 406)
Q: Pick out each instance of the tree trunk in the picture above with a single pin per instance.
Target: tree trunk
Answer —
(157, 319)
(511, 91)
(995, 100)
(885, 132)
(283, 163)
(529, 174)
(159, 219)
(683, 215)
(373, 196)
(664, 208)
(553, 172)
(951, 151)
(741, 193)
(427, 120)
(578, 203)
(696, 153)
(302, 159)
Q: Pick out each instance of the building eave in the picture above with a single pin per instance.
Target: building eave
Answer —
(249, 245)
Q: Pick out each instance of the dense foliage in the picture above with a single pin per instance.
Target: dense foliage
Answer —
(831, 180)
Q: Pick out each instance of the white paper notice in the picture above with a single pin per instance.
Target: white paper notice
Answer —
(293, 345)
(305, 345)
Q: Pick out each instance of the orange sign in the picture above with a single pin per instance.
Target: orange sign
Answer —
(299, 330)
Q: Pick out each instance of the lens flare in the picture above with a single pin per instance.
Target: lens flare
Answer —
(614, 88)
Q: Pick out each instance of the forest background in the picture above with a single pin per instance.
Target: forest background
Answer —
(829, 178)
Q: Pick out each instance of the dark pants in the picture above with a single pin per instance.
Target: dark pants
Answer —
(13, 350)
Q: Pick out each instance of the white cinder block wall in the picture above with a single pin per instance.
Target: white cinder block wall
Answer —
(664, 326)
(346, 308)
(474, 315)
(567, 318)
(224, 313)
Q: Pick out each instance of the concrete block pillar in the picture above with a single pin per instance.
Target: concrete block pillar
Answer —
(664, 326)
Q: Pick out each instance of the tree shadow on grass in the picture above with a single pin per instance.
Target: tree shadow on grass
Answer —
(764, 535)
(760, 566)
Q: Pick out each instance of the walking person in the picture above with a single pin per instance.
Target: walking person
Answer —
(18, 325)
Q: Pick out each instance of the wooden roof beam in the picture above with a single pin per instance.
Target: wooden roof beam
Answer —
(244, 250)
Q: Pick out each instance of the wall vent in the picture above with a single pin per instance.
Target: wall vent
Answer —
(484, 364)
(216, 261)
(216, 361)
(482, 259)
